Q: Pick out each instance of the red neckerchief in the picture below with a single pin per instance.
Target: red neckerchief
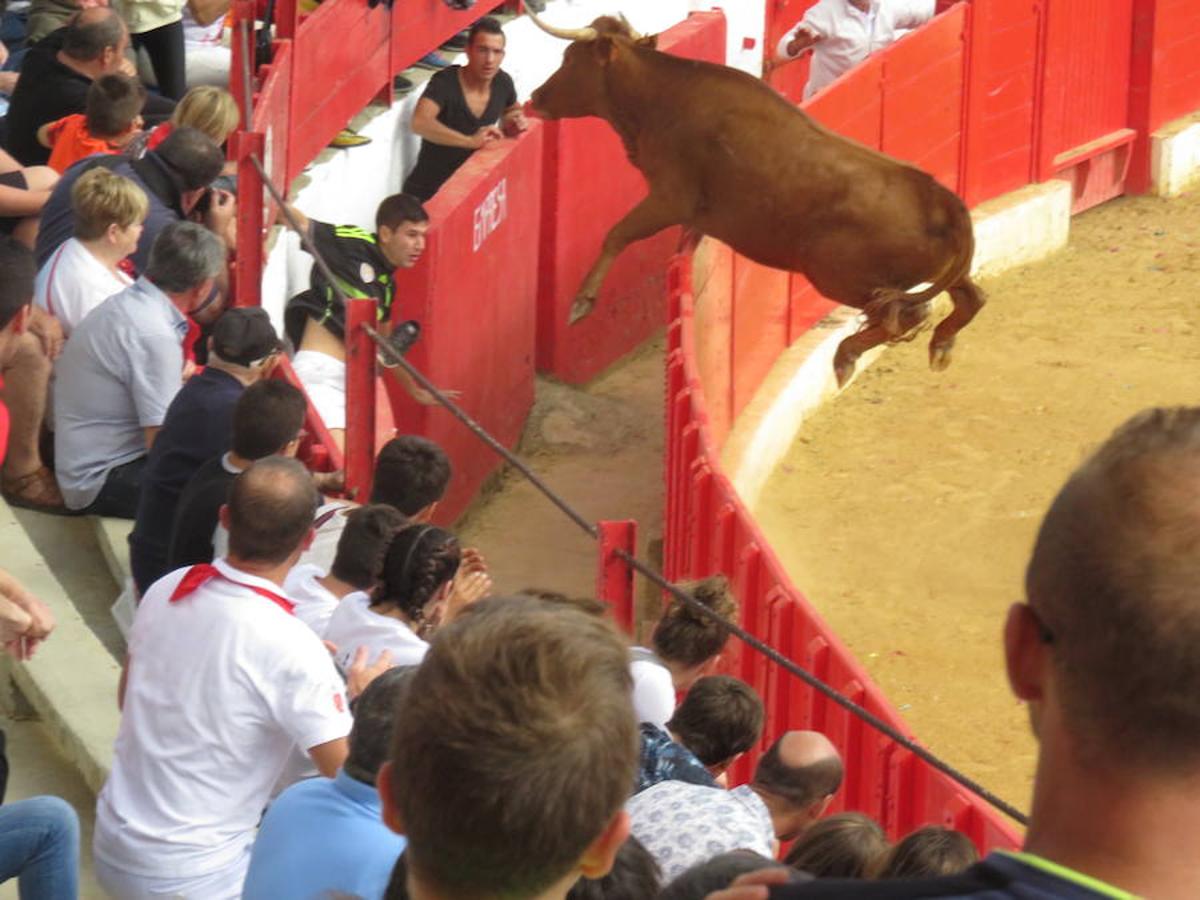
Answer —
(201, 574)
(189, 341)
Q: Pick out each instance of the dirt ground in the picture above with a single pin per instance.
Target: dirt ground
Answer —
(601, 448)
(907, 508)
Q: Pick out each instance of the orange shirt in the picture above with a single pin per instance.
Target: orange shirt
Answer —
(71, 142)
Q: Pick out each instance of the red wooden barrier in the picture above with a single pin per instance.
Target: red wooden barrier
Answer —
(472, 293)
(589, 185)
(1002, 61)
(614, 578)
(1165, 79)
(709, 530)
(1082, 131)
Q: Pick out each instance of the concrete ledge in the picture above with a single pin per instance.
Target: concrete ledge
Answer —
(72, 682)
(1010, 231)
(113, 537)
(1019, 228)
(1175, 156)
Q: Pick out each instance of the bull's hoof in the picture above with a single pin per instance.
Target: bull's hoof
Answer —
(581, 308)
(844, 371)
(940, 356)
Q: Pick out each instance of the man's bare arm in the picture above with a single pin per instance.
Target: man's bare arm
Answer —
(426, 126)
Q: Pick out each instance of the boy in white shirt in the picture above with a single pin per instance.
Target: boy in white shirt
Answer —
(355, 570)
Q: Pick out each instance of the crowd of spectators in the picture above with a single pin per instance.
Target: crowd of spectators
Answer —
(323, 697)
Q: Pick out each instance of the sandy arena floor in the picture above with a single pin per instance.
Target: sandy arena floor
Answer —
(907, 509)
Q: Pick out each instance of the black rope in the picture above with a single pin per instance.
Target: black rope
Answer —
(392, 354)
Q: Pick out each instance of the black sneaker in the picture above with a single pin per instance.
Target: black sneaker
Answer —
(457, 43)
(401, 339)
(401, 85)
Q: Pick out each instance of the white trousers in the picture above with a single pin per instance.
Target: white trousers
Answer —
(225, 884)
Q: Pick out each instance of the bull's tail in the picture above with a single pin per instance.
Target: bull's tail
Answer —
(886, 304)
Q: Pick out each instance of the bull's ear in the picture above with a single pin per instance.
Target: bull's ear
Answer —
(605, 49)
(650, 42)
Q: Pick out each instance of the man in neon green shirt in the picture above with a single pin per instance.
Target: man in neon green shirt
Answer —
(363, 265)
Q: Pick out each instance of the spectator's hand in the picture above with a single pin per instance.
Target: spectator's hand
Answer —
(48, 330)
(361, 674)
(329, 482)
(3, 54)
(127, 67)
(802, 40)
(221, 218)
(752, 885)
(189, 369)
(25, 621)
(8, 81)
(426, 398)
(515, 123)
(465, 589)
(485, 135)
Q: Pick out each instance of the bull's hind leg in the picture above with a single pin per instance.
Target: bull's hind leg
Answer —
(968, 300)
(876, 331)
(649, 217)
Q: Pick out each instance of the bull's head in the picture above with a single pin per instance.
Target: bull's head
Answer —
(578, 88)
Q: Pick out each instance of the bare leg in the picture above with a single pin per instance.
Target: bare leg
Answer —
(649, 217)
(968, 300)
(27, 379)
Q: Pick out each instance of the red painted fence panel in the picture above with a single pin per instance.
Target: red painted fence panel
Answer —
(1002, 61)
(923, 97)
(472, 295)
(589, 185)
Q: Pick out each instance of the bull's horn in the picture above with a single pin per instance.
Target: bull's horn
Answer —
(632, 33)
(567, 34)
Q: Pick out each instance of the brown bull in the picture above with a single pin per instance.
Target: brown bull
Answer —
(725, 155)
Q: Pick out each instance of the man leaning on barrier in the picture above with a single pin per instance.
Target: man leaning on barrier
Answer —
(1103, 652)
(363, 265)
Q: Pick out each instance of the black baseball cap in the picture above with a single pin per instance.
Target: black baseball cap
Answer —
(245, 335)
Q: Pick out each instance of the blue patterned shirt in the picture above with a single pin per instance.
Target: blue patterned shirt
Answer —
(666, 760)
(683, 824)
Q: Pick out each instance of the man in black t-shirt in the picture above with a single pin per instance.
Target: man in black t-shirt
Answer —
(464, 108)
(57, 72)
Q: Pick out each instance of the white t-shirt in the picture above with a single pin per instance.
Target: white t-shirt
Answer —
(354, 625)
(221, 685)
(73, 282)
(329, 523)
(653, 690)
(314, 603)
(848, 35)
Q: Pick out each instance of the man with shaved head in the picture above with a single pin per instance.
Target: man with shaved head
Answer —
(220, 683)
(1104, 654)
(684, 824)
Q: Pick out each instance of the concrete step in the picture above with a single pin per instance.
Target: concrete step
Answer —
(71, 683)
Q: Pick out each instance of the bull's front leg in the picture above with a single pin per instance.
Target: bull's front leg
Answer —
(649, 217)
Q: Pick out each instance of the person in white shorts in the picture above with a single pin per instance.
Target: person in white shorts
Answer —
(317, 592)
(420, 588)
(363, 265)
(220, 682)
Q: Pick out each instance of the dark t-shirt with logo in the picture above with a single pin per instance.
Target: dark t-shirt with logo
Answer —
(1001, 876)
(361, 271)
(437, 162)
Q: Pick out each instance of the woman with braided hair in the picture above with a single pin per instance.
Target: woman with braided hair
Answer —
(426, 579)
